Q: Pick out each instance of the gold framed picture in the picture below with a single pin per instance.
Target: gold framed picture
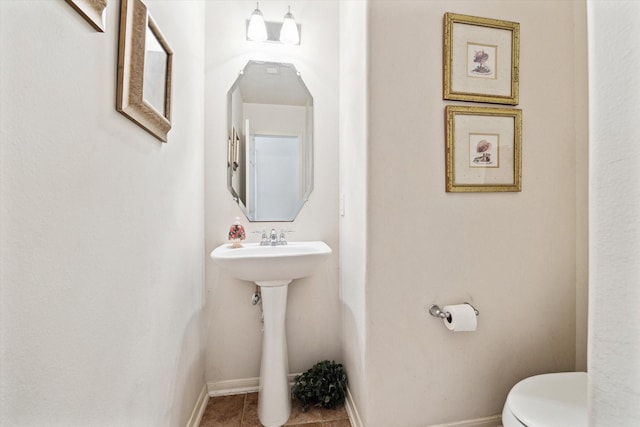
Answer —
(92, 10)
(481, 59)
(483, 149)
(144, 70)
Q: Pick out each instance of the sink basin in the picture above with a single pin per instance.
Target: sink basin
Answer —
(262, 264)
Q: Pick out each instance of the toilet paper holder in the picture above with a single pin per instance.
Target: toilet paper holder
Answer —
(435, 311)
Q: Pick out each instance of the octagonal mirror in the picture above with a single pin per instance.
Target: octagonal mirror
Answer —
(270, 143)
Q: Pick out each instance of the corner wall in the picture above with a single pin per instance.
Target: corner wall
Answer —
(614, 291)
(354, 157)
(581, 106)
(101, 226)
(513, 255)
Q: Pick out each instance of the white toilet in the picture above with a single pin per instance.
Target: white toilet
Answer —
(548, 400)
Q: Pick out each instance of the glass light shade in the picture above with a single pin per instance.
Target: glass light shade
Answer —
(289, 31)
(257, 30)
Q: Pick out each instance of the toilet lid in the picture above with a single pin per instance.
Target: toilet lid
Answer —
(550, 400)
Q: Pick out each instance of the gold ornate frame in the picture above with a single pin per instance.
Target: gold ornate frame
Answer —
(499, 86)
(135, 25)
(92, 10)
(504, 172)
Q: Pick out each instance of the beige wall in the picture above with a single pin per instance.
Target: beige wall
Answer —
(101, 226)
(313, 312)
(513, 256)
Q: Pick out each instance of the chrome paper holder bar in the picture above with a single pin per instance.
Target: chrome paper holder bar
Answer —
(435, 311)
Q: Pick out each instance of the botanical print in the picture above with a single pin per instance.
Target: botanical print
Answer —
(484, 150)
(481, 60)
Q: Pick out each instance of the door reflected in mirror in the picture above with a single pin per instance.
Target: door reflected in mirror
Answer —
(270, 143)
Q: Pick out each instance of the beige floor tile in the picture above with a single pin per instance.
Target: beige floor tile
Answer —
(250, 417)
(337, 423)
(223, 411)
(242, 411)
(340, 413)
(300, 417)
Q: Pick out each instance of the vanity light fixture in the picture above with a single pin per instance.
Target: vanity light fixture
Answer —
(286, 32)
(257, 30)
(289, 31)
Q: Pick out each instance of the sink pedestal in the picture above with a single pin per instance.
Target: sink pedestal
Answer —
(273, 268)
(274, 398)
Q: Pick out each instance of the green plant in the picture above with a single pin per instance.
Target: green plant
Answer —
(325, 385)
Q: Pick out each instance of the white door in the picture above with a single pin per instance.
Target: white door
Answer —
(276, 177)
(250, 163)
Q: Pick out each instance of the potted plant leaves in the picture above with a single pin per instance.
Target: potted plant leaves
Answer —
(324, 385)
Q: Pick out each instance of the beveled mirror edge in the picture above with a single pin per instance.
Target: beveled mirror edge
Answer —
(309, 159)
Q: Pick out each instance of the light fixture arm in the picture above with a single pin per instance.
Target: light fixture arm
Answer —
(288, 14)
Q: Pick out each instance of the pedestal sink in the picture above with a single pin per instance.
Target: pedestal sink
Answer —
(273, 268)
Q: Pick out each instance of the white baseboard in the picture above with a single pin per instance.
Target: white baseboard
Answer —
(352, 411)
(198, 410)
(244, 385)
(251, 385)
(356, 421)
(230, 387)
(494, 421)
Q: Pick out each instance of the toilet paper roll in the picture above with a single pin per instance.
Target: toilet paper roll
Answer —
(462, 318)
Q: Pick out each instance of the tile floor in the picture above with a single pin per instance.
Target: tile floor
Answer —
(241, 410)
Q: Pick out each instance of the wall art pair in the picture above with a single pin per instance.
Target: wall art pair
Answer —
(483, 144)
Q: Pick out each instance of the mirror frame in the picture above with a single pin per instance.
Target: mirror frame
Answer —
(234, 140)
(134, 21)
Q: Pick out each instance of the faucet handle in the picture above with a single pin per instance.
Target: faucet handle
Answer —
(264, 239)
(283, 239)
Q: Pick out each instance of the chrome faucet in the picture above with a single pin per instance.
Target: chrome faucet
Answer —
(273, 239)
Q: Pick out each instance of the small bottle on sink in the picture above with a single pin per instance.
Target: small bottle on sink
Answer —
(236, 234)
